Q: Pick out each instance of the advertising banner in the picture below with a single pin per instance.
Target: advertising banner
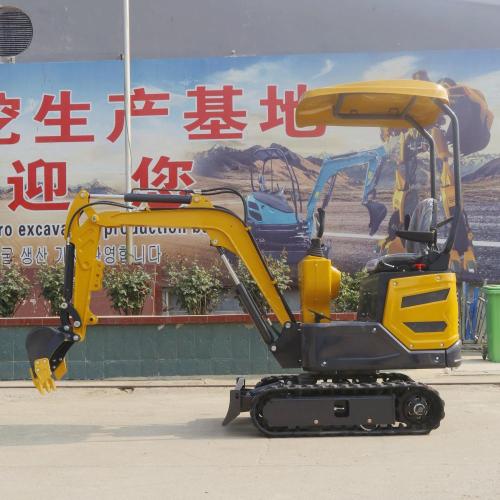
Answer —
(204, 123)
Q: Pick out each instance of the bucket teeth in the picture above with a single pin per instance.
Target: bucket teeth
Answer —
(42, 376)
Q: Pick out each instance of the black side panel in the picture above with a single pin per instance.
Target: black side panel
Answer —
(287, 349)
(426, 326)
(354, 345)
(425, 298)
(327, 411)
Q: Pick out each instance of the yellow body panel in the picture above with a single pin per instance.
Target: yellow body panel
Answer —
(319, 283)
(381, 103)
(397, 317)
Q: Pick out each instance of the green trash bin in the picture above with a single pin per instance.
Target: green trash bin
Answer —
(493, 321)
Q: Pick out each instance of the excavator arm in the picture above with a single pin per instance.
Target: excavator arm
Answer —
(47, 347)
(328, 172)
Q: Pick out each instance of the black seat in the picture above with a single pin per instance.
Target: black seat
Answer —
(395, 262)
(420, 255)
(403, 262)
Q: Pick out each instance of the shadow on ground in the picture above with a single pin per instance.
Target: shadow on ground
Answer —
(49, 434)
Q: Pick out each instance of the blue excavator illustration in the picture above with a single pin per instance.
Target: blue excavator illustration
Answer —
(275, 212)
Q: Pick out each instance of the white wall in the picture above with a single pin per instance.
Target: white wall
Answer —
(92, 29)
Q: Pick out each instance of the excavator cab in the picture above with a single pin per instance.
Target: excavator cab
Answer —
(274, 210)
(403, 104)
(345, 383)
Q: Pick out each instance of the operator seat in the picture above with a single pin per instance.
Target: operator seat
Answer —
(420, 255)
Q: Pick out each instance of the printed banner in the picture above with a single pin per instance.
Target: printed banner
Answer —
(203, 123)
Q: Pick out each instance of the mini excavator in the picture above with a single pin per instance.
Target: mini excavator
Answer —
(345, 383)
(276, 223)
(278, 226)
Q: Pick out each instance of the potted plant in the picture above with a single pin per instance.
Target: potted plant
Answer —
(279, 269)
(198, 287)
(14, 289)
(51, 280)
(348, 298)
(127, 288)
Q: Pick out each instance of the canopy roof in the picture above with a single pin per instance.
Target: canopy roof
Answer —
(380, 103)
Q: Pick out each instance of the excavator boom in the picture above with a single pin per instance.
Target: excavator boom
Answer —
(227, 232)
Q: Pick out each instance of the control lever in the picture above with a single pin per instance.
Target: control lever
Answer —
(320, 217)
(316, 248)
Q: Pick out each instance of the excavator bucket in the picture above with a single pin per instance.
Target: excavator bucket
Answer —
(47, 348)
(377, 212)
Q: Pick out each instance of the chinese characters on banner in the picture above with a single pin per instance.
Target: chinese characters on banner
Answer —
(40, 184)
(9, 110)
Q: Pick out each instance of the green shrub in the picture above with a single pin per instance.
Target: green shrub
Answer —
(198, 287)
(127, 288)
(14, 289)
(51, 280)
(348, 298)
(278, 268)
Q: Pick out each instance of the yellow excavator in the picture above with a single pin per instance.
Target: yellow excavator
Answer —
(344, 382)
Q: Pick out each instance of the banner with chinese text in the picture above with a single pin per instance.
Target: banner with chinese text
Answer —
(200, 123)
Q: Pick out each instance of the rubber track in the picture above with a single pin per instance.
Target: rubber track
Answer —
(397, 384)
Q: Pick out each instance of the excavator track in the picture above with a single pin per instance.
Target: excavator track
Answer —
(373, 404)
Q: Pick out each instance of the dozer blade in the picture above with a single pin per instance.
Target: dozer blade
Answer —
(46, 349)
(239, 399)
(377, 212)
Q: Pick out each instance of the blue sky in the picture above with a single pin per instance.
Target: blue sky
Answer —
(154, 136)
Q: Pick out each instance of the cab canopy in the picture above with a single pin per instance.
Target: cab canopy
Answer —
(380, 103)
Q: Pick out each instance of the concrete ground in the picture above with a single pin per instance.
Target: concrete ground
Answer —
(164, 439)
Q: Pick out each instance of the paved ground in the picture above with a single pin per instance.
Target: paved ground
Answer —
(167, 443)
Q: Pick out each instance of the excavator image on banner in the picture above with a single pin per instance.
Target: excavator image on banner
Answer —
(277, 224)
(475, 120)
(345, 379)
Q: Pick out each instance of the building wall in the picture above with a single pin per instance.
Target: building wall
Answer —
(92, 29)
(150, 351)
